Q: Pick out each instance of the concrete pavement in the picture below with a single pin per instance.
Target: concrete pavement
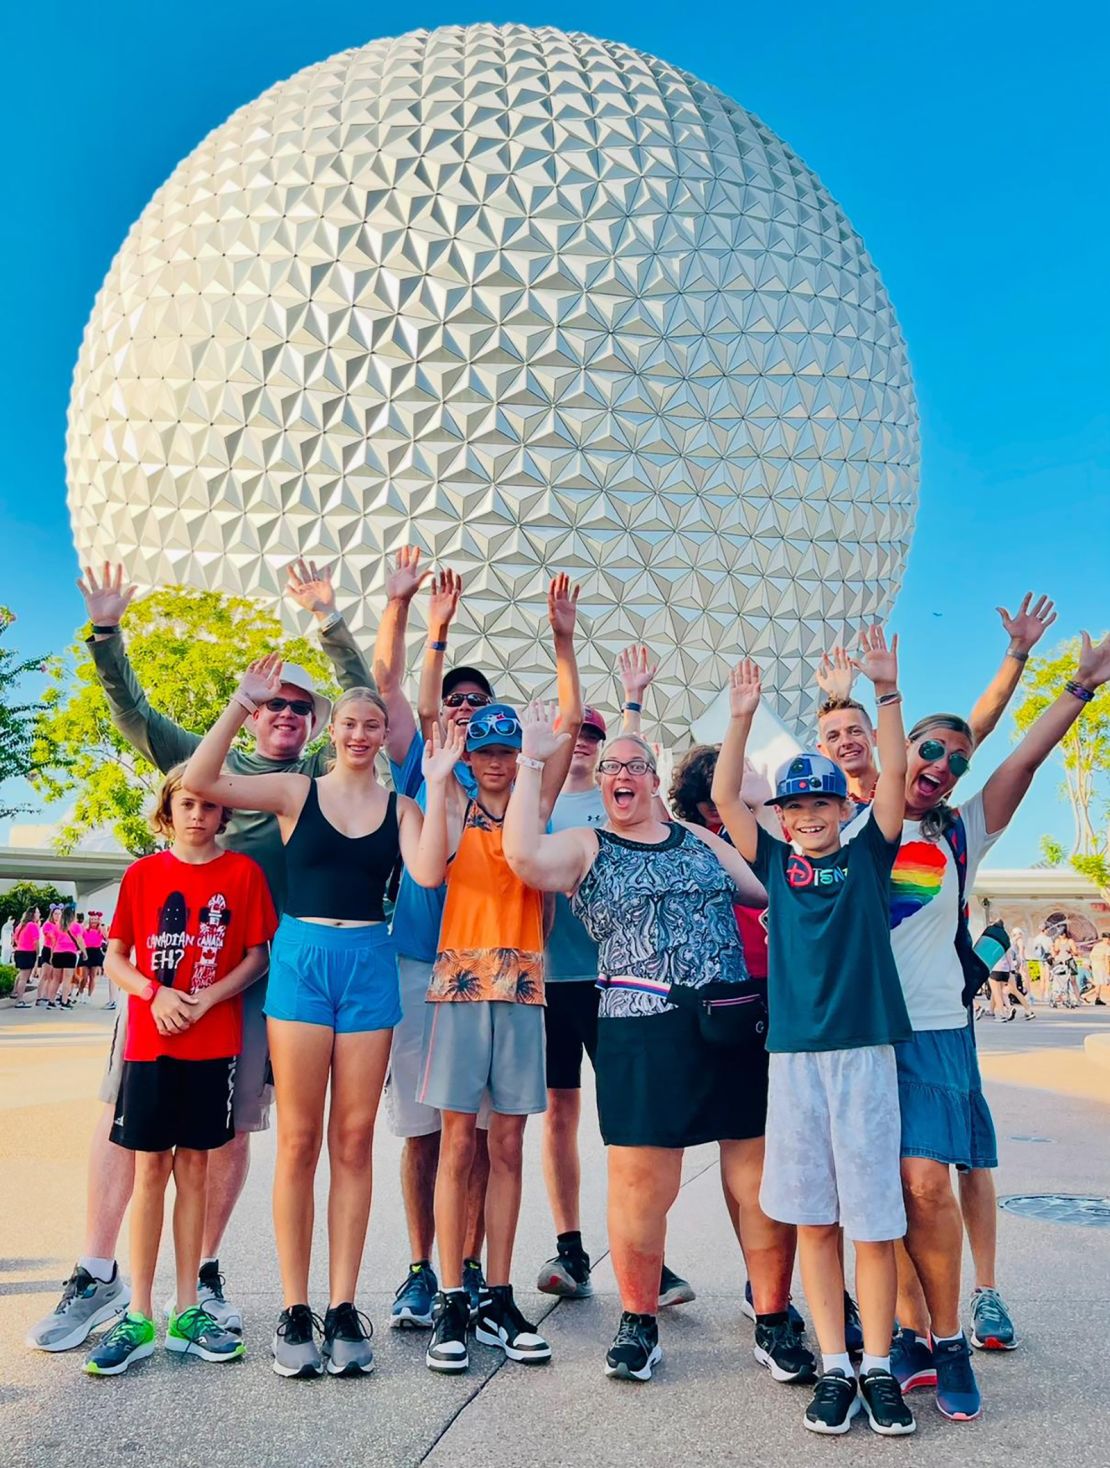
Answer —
(709, 1401)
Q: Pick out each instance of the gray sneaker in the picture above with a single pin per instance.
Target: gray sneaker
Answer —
(346, 1349)
(294, 1344)
(86, 1303)
(210, 1296)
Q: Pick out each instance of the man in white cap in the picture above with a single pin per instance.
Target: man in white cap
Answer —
(282, 727)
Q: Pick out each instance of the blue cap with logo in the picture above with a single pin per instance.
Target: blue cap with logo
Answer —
(497, 723)
(809, 774)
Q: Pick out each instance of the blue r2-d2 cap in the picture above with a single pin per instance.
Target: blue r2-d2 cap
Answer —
(809, 774)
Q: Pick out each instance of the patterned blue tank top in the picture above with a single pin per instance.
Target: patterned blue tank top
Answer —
(660, 912)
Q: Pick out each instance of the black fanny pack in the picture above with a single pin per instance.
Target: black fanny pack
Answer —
(732, 1016)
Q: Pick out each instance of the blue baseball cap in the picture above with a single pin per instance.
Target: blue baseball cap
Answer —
(809, 774)
(497, 723)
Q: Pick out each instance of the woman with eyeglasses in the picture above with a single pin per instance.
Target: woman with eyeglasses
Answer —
(657, 897)
(945, 1118)
(332, 996)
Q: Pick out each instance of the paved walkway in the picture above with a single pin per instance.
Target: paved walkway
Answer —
(709, 1402)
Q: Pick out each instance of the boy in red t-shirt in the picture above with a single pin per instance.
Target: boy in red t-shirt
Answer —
(189, 935)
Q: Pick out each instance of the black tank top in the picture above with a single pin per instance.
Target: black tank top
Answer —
(329, 875)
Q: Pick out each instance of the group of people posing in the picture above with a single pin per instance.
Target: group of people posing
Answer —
(60, 958)
(782, 969)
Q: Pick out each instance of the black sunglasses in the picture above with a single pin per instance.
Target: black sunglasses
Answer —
(472, 700)
(933, 749)
(299, 706)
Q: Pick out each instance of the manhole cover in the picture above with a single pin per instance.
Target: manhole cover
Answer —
(1088, 1212)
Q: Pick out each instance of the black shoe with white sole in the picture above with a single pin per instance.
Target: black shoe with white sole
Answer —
(882, 1401)
(835, 1403)
(450, 1319)
(635, 1350)
(779, 1347)
(500, 1323)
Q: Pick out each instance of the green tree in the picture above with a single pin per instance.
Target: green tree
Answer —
(15, 902)
(1085, 756)
(188, 649)
(17, 719)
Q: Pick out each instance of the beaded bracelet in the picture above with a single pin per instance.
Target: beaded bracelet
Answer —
(1084, 695)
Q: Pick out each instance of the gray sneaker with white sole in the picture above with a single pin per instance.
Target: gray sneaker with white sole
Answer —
(86, 1303)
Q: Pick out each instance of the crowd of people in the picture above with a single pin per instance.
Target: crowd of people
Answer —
(782, 968)
(59, 958)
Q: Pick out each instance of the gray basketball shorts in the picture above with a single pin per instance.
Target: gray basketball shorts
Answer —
(480, 1045)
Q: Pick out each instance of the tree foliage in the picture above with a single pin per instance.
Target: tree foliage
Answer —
(1084, 754)
(24, 895)
(188, 649)
(17, 719)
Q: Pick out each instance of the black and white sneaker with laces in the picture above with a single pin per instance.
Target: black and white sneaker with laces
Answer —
(835, 1403)
(500, 1323)
(294, 1346)
(635, 1351)
(780, 1348)
(882, 1401)
(450, 1318)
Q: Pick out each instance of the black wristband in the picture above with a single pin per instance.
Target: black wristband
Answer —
(1018, 657)
(98, 631)
(633, 708)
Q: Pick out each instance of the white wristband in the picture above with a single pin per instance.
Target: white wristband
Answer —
(244, 701)
(528, 762)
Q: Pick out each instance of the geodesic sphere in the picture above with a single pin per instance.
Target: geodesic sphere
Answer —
(535, 302)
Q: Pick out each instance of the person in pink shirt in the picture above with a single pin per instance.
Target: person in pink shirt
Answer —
(69, 949)
(25, 942)
(49, 978)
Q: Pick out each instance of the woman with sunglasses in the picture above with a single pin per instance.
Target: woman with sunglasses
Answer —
(657, 897)
(945, 1118)
(332, 995)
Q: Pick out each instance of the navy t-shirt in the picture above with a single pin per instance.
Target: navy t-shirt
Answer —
(833, 983)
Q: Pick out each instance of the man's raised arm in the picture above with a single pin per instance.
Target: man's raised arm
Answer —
(312, 588)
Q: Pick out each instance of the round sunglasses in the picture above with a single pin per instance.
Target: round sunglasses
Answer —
(472, 700)
(933, 749)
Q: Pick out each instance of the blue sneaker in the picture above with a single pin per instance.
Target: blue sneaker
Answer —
(747, 1307)
(412, 1303)
(991, 1326)
(911, 1361)
(957, 1390)
(853, 1327)
(474, 1283)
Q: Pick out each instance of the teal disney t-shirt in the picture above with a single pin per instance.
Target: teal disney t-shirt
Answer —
(832, 982)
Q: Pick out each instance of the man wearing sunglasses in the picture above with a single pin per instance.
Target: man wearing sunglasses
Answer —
(281, 728)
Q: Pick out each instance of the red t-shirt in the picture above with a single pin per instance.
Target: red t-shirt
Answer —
(189, 926)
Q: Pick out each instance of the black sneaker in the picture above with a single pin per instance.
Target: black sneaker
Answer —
(450, 1318)
(835, 1403)
(882, 1401)
(853, 1327)
(500, 1323)
(568, 1274)
(346, 1349)
(673, 1289)
(747, 1307)
(635, 1351)
(779, 1347)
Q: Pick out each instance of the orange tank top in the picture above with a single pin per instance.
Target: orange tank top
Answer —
(491, 937)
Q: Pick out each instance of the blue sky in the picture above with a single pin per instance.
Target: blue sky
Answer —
(966, 142)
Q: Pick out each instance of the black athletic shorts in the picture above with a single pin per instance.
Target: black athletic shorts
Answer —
(45, 958)
(65, 960)
(570, 1019)
(94, 958)
(25, 959)
(168, 1103)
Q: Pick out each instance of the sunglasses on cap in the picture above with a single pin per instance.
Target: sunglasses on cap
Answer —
(636, 766)
(472, 700)
(933, 749)
(303, 707)
(498, 724)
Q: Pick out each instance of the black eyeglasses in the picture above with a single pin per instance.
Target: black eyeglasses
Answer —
(299, 706)
(633, 766)
(933, 749)
(472, 700)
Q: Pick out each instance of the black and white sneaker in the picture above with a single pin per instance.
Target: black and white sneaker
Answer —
(835, 1403)
(882, 1401)
(567, 1275)
(673, 1289)
(635, 1351)
(500, 1323)
(450, 1318)
(779, 1347)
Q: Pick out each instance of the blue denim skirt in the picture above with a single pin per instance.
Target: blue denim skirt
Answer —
(945, 1115)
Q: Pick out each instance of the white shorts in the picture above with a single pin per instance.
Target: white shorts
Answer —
(834, 1136)
(409, 1117)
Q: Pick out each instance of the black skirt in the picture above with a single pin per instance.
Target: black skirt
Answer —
(659, 1084)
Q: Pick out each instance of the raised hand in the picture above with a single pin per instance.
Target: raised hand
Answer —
(406, 578)
(262, 680)
(442, 754)
(311, 587)
(636, 669)
(106, 600)
(562, 605)
(539, 738)
(745, 688)
(1094, 662)
(1029, 624)
(876, 661)
(444, 603)
(835, 674)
